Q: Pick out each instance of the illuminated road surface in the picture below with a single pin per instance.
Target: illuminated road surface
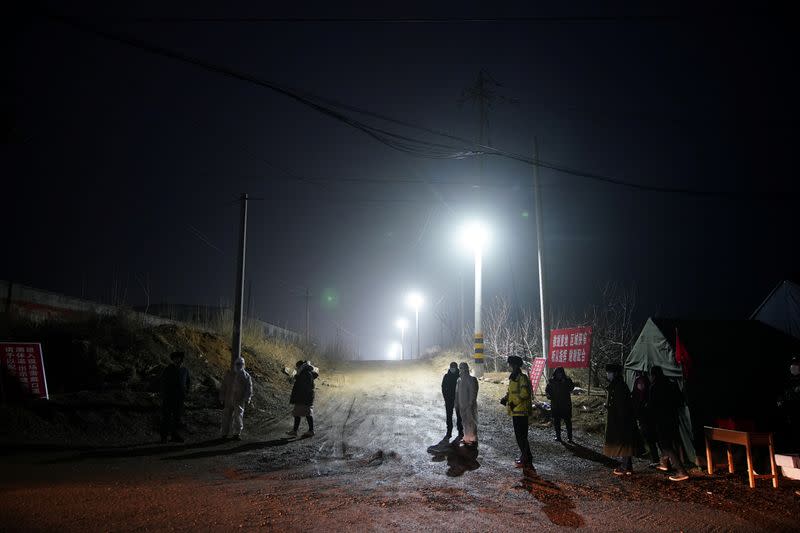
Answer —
(374, 465)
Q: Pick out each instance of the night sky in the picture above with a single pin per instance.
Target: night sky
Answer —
(121, 163)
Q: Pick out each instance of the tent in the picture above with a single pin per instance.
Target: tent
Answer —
(781, 309)
(736, 372)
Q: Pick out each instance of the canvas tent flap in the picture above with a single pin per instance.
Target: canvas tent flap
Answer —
(653, 349)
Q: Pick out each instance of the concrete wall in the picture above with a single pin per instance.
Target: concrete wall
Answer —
(40, 305)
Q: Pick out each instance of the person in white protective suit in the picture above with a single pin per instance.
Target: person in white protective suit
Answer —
(236, 391)
(467, 404)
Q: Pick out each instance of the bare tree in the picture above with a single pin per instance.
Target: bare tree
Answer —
(612, 326)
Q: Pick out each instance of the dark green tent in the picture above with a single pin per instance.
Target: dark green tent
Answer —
(736, 373)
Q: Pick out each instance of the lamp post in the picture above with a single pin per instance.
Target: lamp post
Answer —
(415, 300)
(402, 324)
(474, 236)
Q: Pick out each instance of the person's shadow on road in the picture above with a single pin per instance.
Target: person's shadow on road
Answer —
(587, 453)
(244, 447)
(117, 452)
(556, 505)
(459, 459)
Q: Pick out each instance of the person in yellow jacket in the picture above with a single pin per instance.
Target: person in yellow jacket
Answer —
(518, 406)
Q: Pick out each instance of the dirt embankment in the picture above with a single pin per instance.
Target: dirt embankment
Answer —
(104, 375)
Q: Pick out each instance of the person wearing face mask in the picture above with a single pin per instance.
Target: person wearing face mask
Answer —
(644, 416)
(518, 405)
(621, 433)
(789, 404)
(449, 382)
(236, 391)
(467, 404)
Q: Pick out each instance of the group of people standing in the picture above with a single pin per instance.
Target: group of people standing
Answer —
(650, 413)
(235, 393)
(460, 393)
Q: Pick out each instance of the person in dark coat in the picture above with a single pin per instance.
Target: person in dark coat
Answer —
(789, 405)
(302, 397)
(621, 434)
(644, 416)
(559, 392)
(666, 401)
(175, 382)
(449, 382)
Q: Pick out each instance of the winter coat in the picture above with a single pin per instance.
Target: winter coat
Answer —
(175, 382)
(666, 402)
(559, 391)
(303, 388)
(641, 407)
(519, 395)
(467, 405)
(449, 382)
(621, 439)
(237, 388)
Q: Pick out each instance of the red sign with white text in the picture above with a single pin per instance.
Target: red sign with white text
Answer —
(537, 369)
(22, 362)
(570, 347)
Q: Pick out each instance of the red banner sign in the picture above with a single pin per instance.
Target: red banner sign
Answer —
(537, 369)
(570, 347)
(22, 362)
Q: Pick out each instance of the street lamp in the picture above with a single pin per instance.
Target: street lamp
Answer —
(395, 349)
(474, 236)
(401, 323)
(414, 300)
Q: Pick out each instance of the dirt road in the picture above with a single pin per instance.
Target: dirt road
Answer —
(375, 464)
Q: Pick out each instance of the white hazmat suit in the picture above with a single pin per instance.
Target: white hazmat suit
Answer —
(467, 404)
(236, 391)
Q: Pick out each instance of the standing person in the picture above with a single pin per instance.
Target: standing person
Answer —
(666, 401)
(449, 382)
(302, 397)
(620, 438)
(559, 392)
(175, 383)
(236, 391)
(467, 404)
(644, 416)
(518, 406)
(789, 404)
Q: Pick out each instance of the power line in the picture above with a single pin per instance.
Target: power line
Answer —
(412, 146)
(540, 19)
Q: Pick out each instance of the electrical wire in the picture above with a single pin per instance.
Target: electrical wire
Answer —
(400, 142)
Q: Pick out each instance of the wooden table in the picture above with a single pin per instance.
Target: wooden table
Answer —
(748, 439)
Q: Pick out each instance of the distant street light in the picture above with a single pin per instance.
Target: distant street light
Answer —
(401, 323)
(474, 236)
(415, 300)
(394, 350)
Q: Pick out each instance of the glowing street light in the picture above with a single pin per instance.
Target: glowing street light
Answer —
(474, 236)
(415, 300)
(394, 350)
(401, 323)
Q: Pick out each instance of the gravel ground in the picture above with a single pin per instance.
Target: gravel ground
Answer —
(376, 463)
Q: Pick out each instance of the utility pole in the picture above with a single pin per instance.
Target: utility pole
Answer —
(236, 342)
(540, 250)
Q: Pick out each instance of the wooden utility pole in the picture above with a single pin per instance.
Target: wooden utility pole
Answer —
(537, 192)
(236, 341)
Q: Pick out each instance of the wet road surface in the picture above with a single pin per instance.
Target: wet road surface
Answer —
(376, 463)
